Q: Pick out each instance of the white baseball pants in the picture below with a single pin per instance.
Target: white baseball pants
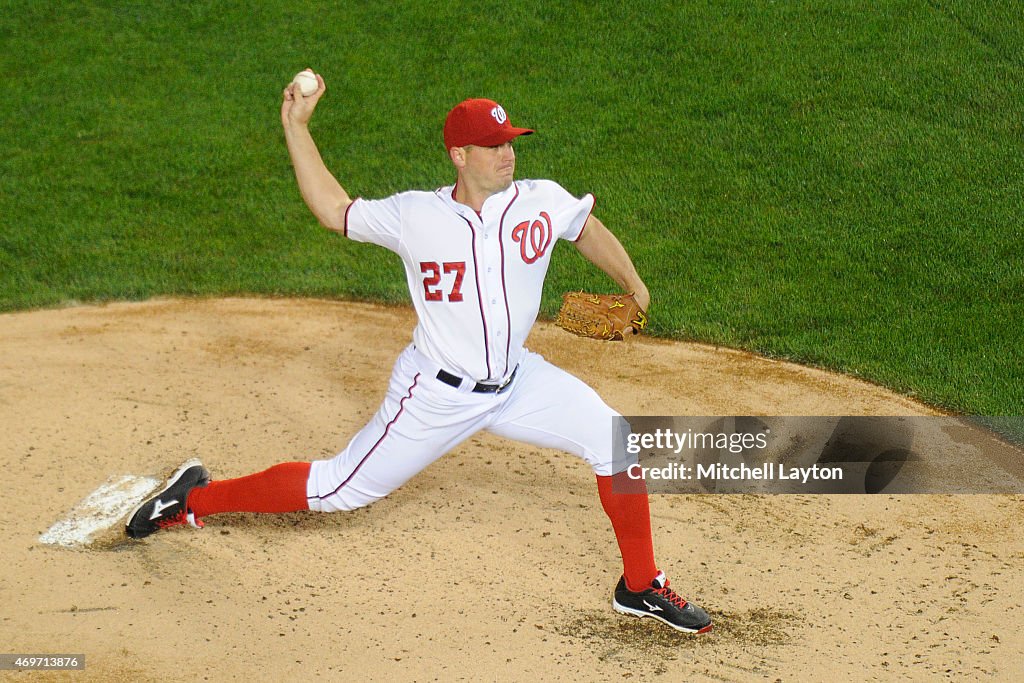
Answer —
(422, 418)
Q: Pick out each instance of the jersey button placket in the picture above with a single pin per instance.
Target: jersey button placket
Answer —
(493, 296)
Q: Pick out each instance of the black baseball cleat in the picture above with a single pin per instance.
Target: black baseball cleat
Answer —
(662, 603)
(167, 508)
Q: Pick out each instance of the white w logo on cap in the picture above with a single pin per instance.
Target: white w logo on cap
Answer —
(499, 115)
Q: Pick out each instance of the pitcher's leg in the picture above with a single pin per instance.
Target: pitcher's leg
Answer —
(280, 488)
(417, 422)
(553, 409)
(420, 420)
(294, 486)
(385, 454)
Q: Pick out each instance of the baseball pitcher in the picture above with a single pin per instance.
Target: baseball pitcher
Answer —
(475, 255)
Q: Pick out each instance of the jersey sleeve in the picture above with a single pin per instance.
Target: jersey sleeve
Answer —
(571, 214)
(378, 221)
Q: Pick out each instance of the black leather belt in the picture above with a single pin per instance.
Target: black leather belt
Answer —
(480, 388)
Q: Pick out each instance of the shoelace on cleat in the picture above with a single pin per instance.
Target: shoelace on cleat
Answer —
(671, 596)
(179, 518)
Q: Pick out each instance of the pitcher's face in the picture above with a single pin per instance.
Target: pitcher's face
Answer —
(490, 168)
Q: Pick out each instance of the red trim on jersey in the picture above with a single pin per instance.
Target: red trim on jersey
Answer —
(479, 296)
(344, 225)
(504, 288)
(401, 409)
(589, 214)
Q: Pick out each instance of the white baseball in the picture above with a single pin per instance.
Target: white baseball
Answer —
(307, 82)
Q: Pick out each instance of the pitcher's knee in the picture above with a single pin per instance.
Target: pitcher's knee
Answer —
(329, 491)
(341, 501)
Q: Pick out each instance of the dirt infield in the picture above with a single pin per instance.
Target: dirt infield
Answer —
(497, 562)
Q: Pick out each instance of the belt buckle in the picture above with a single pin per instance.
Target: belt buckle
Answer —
(507, 382)
(479, 387)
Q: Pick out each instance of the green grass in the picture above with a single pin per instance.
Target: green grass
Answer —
(836, 183)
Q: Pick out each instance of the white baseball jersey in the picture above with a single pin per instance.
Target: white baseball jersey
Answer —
(476, 283)
(475, 279)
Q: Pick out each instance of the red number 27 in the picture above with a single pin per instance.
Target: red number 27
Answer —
(433, 271)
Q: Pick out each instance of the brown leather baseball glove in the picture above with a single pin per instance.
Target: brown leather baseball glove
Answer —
(600, 316)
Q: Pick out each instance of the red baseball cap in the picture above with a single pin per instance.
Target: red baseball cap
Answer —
(479, 122)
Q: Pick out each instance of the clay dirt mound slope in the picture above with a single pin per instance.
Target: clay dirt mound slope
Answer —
(497, 562)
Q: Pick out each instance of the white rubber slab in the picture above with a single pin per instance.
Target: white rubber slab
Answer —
(100, 511)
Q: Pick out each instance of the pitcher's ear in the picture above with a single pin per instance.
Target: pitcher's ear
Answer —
(458, 156)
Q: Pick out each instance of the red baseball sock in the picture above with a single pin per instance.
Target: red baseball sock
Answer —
(630, 514)
(282, 488)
